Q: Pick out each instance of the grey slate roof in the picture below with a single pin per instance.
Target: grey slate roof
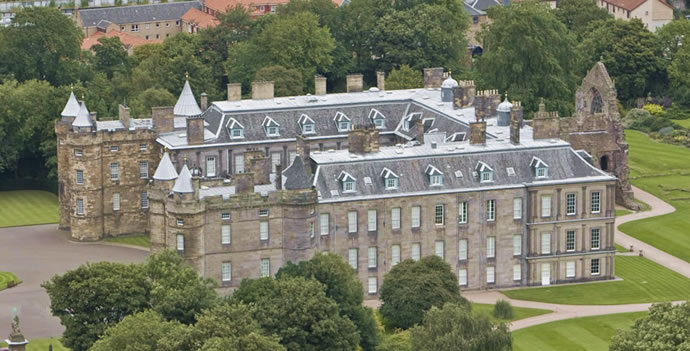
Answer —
(83, 117)
(481, 5)
(186, 105)
(165, 170)
(472, 11)
(183, 184)
(135, 14)
(296, 176)
(71, 107)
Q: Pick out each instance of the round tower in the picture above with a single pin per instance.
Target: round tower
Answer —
(447, 89)
(503, 111)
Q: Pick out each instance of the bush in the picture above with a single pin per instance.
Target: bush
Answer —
(503, 310)
(642, 120)
(654, 109)
(675, 112)
(666, 131)
(395, 342)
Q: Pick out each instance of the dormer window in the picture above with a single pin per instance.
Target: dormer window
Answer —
(486, 173)
(236, 129)
(377, 118)
(541, 169)
(343, 122)
(435, 175)
(390, 179)
(271, 127)
(410, 121)
(349, 183)
(307, 124)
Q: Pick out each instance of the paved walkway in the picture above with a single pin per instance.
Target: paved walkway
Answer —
(35, 254)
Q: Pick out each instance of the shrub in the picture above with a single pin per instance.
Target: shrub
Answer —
(654, 109)
(641, 119)
(503, 310)
(665, 131)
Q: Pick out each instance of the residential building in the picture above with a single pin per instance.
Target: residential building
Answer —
(256, 8)
(653, 13)
(195, 19)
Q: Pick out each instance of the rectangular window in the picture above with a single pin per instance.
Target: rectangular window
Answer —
(373, 285)
(491, 274)
(546, 243)
(352, 222)
(596, 238)
(263, 230)
(517, 245)
(79, 153)
(395, 218)
(114, 148)
(180, 222)
(570, 204)
(180, 242)
(517, 272)
(225, 216)
(323, 224)
(312, 229)
(491, 210)
(144, 200)
(440, 249)
(517, 208)
(211, 166)
(225, 234)
(570, 269)
(462, 250)
(226, 271)
(395, 251)
(596, 202)
(239, 163)
(265, 267)
(263, 212)
(292, 155)
(275, 160)
(462, 212)
(439, 214)
(114, 171)
(143, 147)
(416, 251)
(415, 215)
(371, 220)
(595, 266)
(570, 240)
(491, 247)
(135, 28)
(80, 207)
(462, 277)
(80, 177)
(143, 169)
(546, 206)
(352, 258)
(371, 257)
(116, 201)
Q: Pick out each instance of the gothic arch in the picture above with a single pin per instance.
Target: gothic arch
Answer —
(597, 105)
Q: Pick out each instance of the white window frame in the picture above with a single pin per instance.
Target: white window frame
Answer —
(490, 210)
(395, 218)
(144, 200)
(545, 248)
(462, 212)
(135, 28)
(225, 234)
(143, 169)
(372, 285)
(78, 152)
(595, 239)
(596, 271)
(324, 219)
(545, 206)
(116, 201)
(570, 204)
(372, 257)
(352, 222)
(462, 250)
(416, 216)
(353, 258)
(180, 242)
(114, 171)
(239, 166)
(570, 269)
(226, 272)
(349, 186)
(596, 202)
(517, 245)
(568, 241)
(210, 166)
(272, 131)
(80, 207)
(440, 249)
(225, 216)
(440, 214)
(143, 147)
(486, 177)
(263, 230)
(416, 251)
(237, 133)
(180, 221)
(395, 254)
(490, 274)
(491, 247)
(462, 277)
(391, 183)
(308, 128)
(517, 272)
(265, 267)
(371, 220)
(263, 212)
(435, 180)
(517, 208)
(80, 177)
(542, 172)
(276, 160)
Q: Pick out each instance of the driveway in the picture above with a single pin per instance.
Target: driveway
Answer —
(35, 254)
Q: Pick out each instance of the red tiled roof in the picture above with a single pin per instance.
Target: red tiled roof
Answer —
(222, 5)
(631, 4)
(127, 40)
(199, 18)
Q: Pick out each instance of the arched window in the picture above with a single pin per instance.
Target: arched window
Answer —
(597, 102)
(604, 163)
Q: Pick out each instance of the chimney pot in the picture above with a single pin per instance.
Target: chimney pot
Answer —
(433, 144)
(381, 80)
(234, 91)
(355, 83)
(319, 85)
(204, 101)
(262, 90)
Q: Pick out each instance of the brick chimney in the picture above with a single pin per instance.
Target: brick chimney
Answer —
(319, 85)
(259, 166)
(355, 83)
(195, 130)
(363, 140)
(123, 115)
(381, 80)
(433, 77)
(478, 133)
(515, 122)
(463, 94)
(234, 91)
(204, 101)
(303, 149)
(420, 131)
(262, 90)
(545, 125)
(163, 119)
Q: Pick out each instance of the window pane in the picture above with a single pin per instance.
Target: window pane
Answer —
(210, 166)
(144, 201)
(490, 274)
(395, 220)
(416, 212)
(439, 214)
(490, 210)
(517, 208)
(517, 245)
(352, 258)
(570, 269)
(352, 222)
(371, 220)
(226, 237)
(462, 215)
(265, 267)
(143, 169)
(323, 224)
(462, 276)
(596, 239)
(546, 243)
(180, 242)
(239, 163)
(570, 240)
(440, 249)
(371, 256)
(517, 272)
(595, 266)
(462, 251)
(116, 201)
(263, 229)
(491, 247)
(571, 204)
(596, 202)
(372, 285)
(416, 251)
(226, 271)
(546, 206)
(395, 250)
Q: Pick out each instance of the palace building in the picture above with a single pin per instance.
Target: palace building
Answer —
(240, 187)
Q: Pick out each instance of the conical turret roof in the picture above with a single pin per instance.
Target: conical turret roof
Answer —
(186, 105)
(72, 107)
(183, 184)
(165, 170)
(83, 117)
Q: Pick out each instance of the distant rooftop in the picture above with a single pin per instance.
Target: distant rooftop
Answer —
(91, 17)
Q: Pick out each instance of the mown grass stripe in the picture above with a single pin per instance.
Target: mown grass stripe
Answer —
(27, 207)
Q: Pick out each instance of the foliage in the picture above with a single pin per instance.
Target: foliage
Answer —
(404, 78)
(412, 287)
(151, 97)
(399, 341)
(299, 312)
(287, 82)
(110, 56)
(143, 331)
(664, 328)
(679, 76)
(578, 15)
(653, 109)
(671, 37)
(641, 119)
(541, 66)
(455, 328)
(503, 310)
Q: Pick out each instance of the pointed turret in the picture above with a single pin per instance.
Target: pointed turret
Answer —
(165, 170)
(183, 184)
(186, 105)
(71, 108)
(83, 119)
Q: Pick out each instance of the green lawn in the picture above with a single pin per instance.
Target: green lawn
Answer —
(42, 345)
(578, 334)
(685, 123)
(27, 207)
(643, 281)
(622, 212)
(6, 277)
(621, 248)
(664, 171)
(142, 240)
(518, 312)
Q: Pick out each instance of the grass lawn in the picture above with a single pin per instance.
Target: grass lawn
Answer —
(518, 312)
(643, 281)
(578, 334)
(42, 345)
(27, 207)
(142, 240)
(685, 123)
(664, 171)
(6, 277)
(621, 249)
(622, 212)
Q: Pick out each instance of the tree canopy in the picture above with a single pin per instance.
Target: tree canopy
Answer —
(578, 15)
(666, 327)
(405, 78)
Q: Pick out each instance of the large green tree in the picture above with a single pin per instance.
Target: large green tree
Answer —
(288, 82)
(528, 54)
(578, 15)
(404, 78)
(142, 331)
(412, 287)
(665, 328)
(674, 38)
(110, 56)
(456, 328)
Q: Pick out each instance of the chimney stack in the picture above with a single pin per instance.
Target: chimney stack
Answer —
(234, 91)
(355, 83)
(259, 166)
(478, 133)
(463, 94)
(204, 101)
(381, 80)
(515, 122)
(363, 140)
(303, 149)
(279, 177)
(195, 130)
(433, 77)
(545, 125)
(420, 131)
(163, 119)
(319, 85)
(243, 182)
(262, 90)
(123, 115)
